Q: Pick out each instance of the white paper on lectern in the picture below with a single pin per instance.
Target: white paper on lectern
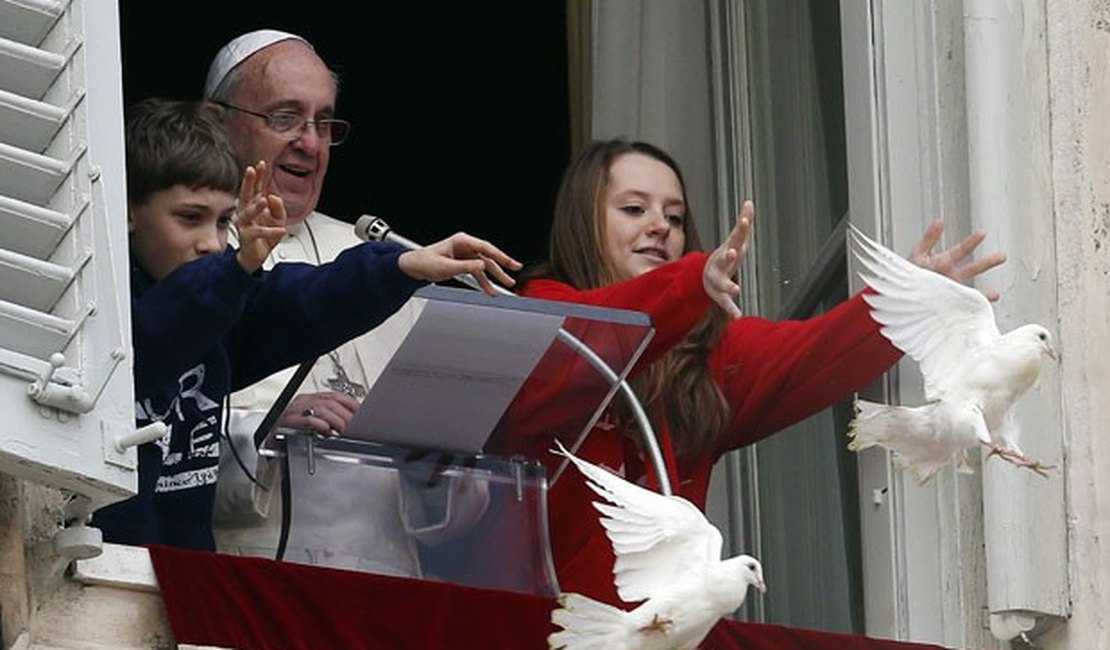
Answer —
(453, 376)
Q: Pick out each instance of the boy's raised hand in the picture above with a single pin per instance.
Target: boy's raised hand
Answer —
(459, 254)
(260, 218)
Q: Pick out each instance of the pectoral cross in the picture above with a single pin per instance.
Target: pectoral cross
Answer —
(341, 382)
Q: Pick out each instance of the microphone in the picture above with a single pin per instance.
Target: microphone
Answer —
(371, 228)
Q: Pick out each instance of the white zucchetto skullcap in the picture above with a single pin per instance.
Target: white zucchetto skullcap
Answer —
(240, 49)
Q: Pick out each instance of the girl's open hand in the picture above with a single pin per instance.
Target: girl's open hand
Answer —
(719, 277)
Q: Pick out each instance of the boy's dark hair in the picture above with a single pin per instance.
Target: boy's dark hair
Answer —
(176, 143)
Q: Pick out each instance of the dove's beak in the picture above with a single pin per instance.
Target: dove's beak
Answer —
(761, 586)
(1053, 354)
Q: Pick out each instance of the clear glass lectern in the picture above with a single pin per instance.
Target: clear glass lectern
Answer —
(456, 436)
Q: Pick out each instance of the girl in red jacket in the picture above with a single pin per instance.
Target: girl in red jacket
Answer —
(711, 380)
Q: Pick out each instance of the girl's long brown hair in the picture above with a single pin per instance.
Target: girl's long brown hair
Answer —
(680, 382)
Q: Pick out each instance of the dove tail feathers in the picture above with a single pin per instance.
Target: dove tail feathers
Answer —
(906, 432)
(874, 424)
(587, 624)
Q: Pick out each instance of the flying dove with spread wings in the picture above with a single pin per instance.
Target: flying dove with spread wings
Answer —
(668, 555)
(973, 373)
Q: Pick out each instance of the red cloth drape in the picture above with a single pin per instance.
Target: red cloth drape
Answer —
(253, 603)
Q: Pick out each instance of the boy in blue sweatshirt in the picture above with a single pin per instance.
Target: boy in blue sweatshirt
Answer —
(206, 320)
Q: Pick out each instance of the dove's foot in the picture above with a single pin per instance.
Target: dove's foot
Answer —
(1035, 465)
(1001, 452)
(1021, 460)
(658, 625)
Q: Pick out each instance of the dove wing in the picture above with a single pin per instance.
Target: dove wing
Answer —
(934, 319)
(657, 539)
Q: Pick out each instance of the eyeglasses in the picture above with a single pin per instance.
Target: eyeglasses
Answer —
(293, 124)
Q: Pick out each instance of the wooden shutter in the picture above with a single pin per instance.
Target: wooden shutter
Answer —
(65, 372)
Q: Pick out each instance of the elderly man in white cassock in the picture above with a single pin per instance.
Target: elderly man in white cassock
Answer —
(277, 100)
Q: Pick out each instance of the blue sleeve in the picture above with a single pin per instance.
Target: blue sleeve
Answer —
(300, 311)
(177, 320)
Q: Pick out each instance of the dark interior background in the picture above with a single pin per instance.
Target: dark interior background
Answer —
(460, 110)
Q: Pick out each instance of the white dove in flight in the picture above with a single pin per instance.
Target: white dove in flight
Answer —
(973, 373)
(668, 555)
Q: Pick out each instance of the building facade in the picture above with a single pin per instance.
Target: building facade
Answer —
(987, 113)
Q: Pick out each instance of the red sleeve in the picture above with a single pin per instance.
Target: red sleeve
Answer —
(672, 295)
(774, 374)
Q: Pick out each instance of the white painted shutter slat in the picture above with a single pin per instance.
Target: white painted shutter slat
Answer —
(30, 177)
(27, 70)
(27, 123)
(34, 283)
(30, 229)
(28, 21)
